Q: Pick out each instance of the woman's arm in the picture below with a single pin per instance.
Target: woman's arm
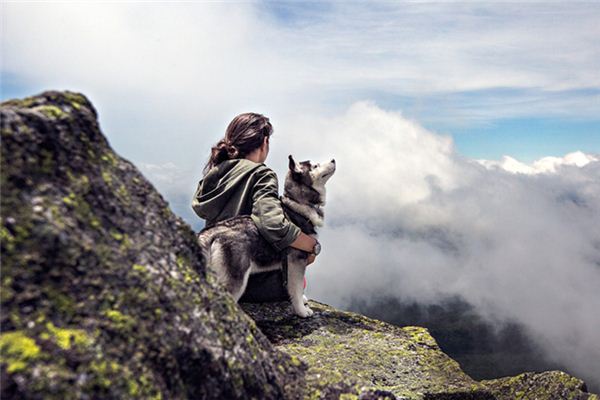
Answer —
(267, 212)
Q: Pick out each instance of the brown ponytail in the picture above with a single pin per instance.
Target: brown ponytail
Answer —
(244, 134)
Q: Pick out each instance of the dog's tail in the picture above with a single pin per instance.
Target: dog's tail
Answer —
(205, 240)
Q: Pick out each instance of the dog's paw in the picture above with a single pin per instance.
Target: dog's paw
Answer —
(304, 299)
(305, 312)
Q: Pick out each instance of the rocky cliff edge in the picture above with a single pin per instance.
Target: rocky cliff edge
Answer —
(104, 294)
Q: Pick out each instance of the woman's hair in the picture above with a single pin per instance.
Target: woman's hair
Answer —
(244, 134)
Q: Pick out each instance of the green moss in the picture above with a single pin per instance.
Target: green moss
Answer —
(95, 222)
(104, 371)
(17, 349)
(21, 233)
(80, 182)
(295, 361)
(537, 385)
(187, 277)
(77, 100)
(133, 388)
(57, 216)
(110, 158)
(51, 111)
(107, 177)
(420, 335)
(126, 242)
(79, 205)
(8, 240)
(347, 349)
(21, 103)
(139, 268)
(123, 194)
(7, 280)
(47, 162)
(120, 320)
(70, 199)
(166, 212)
(63, 302)
(116, 235)
(65, 338)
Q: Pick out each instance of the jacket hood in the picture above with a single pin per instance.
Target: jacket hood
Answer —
(219, 184)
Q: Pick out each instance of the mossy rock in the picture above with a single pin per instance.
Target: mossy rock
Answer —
(351, 356)
(547, 385)
(344, 350)
(104, 290)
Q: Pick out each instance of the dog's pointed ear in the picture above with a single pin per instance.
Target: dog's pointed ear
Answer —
(293, 166)
(294, 170)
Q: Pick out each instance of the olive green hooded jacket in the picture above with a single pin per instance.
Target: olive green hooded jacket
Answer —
(244, 187)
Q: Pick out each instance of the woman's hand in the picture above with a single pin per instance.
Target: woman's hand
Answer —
(311, 259)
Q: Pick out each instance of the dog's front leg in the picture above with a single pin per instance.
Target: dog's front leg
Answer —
(295, 287)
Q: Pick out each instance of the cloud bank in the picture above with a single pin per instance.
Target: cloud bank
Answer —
(407, 217)
(543, 165)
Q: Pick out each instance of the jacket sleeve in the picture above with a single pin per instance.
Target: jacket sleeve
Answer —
(267, 212)
(196, 202)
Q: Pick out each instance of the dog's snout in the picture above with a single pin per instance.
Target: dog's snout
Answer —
(333, 160)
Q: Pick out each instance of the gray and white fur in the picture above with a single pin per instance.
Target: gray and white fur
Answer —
(234, 248)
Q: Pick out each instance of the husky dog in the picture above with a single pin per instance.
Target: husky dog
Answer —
(234, 248)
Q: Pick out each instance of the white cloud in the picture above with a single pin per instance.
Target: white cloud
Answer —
(541, 166)
(408, 217)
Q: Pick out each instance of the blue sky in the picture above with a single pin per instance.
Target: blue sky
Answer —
(501, 79)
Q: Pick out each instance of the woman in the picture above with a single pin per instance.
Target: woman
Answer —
(237, 182)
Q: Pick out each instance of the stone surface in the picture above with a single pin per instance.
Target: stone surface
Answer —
(345, 350)
(105, 295)
(104, 291)
(542, 385)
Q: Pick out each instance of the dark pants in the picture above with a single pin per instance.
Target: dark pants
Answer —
(265, 287)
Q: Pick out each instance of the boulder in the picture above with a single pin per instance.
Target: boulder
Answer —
(104, 290)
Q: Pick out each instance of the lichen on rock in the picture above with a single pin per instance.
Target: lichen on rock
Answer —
(543, 385)
(346, 350)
